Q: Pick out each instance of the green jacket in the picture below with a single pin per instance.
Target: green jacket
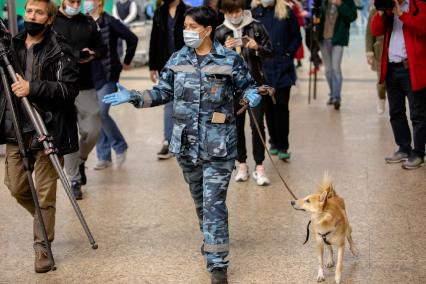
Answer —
(373, 44)
(347, 14)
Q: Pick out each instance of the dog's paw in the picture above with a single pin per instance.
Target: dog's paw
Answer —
(337, 280)
(354, 250)
(330, 263)
(320, 278)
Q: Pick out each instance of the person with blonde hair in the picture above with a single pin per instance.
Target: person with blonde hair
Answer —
(284, 31)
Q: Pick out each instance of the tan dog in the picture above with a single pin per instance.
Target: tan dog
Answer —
(330, 225)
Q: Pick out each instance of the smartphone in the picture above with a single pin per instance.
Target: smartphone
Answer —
(84, 54)
(245, 40)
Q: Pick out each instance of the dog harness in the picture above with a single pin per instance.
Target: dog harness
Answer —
(324, 237)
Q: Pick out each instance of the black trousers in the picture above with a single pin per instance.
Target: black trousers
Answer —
(399, 87)
(258, 148)
(313, 46)
(278, 119)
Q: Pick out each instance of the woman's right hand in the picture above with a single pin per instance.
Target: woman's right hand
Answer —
(121, 96)
(153, 74)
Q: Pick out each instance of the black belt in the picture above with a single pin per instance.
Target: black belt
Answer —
(402, 64)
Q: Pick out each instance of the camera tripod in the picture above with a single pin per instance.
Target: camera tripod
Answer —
(312, 87)
(6, 69)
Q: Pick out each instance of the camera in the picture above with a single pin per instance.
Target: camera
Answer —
(384, 5)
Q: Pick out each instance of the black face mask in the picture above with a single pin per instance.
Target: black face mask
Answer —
(33, 28)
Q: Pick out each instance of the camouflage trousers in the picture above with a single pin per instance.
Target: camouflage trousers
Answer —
(208, 182)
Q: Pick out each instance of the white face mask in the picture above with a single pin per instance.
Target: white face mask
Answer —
(89, 6)
(70, 11)
(267, 3)
(192, 39)
(235, 21)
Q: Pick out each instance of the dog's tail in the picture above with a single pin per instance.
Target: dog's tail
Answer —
(327, 185)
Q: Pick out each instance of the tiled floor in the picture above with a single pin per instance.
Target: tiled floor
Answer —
(143, 218)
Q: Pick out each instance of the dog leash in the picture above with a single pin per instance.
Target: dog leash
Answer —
(264, 90)
(307, 232)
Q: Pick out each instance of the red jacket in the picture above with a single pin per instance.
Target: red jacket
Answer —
(414, 28)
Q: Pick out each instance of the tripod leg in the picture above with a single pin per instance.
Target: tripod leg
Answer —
(27, 166)
(315, 86)
(65, 183)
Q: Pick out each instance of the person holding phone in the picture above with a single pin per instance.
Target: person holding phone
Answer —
(250, 40)
(84, 36)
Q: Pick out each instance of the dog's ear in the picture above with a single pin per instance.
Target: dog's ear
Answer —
(323, 199)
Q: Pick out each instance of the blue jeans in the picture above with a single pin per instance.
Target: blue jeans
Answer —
(168, 121)
(111, 136)
(332, 57)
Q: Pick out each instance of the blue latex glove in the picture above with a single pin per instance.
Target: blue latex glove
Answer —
(253, 97)
(120, 97)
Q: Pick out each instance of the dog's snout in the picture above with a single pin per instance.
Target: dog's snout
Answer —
(293, 203)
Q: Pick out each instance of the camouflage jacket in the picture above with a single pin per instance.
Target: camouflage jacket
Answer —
(198, 91)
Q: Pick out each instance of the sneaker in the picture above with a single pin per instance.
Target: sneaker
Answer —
(284, 155)
(41, 262)
(260, 176)
(273, 151)
(82, 170)
(380, 107)
(414, 162)
(120, 158)
(242, 172)
(219, 275)
(330, 101)
(164, 153)
(101, 165)
(76, 189)
(337, 105)
(397, 157)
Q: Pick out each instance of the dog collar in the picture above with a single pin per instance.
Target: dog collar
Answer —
(324, 237)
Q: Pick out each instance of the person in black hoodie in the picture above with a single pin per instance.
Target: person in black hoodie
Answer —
(106, 73)
(49, 81)
(85, 37)
(249, 38)
(166, 38)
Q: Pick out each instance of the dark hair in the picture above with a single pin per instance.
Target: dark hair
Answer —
(204, 16)
(229, 6)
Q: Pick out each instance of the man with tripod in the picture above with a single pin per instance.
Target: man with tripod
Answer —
(49, 81)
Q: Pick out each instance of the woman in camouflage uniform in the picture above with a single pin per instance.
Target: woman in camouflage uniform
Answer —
(202, 79)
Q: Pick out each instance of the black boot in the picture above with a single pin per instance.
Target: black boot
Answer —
(219, 276)
(76, 189)
(82, 170)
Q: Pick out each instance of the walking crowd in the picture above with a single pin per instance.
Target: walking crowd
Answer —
(210, 74)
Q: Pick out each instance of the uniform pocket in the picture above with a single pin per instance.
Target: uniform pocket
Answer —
(178, 138)
(216, 140)
(216, 88)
